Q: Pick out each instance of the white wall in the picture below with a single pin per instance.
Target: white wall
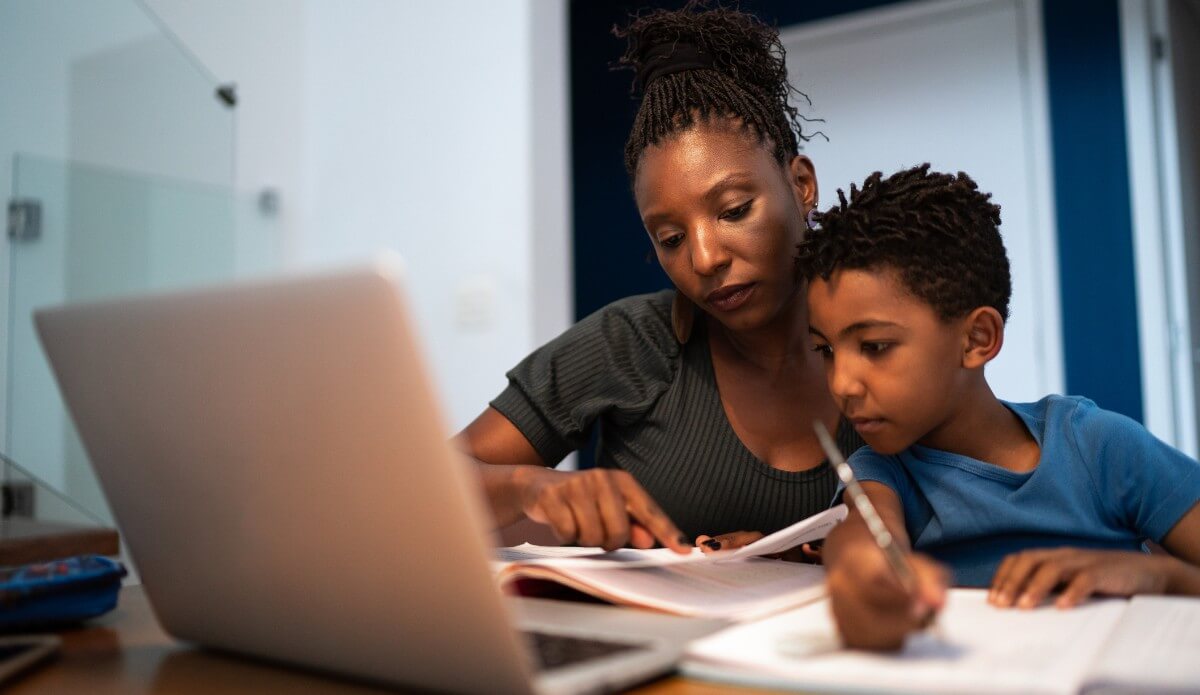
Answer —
(891, 100)
(434, 129)
(60, 62)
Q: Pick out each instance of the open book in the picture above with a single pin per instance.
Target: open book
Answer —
(1149, 643)
(734, 585)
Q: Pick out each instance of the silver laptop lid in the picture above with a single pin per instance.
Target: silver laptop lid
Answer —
(279, 468)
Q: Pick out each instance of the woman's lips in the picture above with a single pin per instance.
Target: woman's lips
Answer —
(730, 297)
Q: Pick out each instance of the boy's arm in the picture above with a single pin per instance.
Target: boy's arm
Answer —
(1025, 579)
(871, 607)
(1183, 543)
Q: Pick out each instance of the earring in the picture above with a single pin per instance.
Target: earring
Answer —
(683, 315)
(810, 220)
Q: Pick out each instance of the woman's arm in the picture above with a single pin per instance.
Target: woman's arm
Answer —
(596, 507)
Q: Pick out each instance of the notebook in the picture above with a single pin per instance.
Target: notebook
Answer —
(278, 464)
(733, 585)
(1147, 644)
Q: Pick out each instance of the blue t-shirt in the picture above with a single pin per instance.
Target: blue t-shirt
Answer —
(1102, 482)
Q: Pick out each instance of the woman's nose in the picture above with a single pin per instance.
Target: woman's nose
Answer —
(709, 254)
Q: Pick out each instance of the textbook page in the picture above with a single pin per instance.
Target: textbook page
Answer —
(1155, 646)
(731, 590)
(974, 648)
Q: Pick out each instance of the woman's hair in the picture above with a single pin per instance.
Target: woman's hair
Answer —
(699, 63)
(938, 232)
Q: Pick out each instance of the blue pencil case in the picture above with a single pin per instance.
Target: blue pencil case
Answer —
(52, 594)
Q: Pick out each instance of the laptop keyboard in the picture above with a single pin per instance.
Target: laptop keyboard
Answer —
(556, 651)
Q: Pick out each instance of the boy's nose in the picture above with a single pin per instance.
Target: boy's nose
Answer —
(844, 384)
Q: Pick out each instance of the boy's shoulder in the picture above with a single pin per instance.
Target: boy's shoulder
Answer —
(1075, 421)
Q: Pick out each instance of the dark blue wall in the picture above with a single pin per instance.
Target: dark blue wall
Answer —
(1095, 222)
(613, 257)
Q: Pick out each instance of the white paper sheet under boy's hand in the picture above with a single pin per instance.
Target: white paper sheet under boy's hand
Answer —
(980, 649)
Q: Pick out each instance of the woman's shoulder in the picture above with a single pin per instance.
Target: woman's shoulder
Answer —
(640, 318)
(651, 307)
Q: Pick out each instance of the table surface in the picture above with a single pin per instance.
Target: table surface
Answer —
(127, 652)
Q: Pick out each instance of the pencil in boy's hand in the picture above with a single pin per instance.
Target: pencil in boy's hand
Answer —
(883, 538)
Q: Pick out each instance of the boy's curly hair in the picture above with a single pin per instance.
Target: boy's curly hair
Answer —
(938, 232)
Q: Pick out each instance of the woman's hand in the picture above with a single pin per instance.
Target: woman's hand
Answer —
(596, 507)
(1025, 579)
(807, 552)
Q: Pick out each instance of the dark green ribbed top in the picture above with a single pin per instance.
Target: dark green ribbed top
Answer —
(660, 417)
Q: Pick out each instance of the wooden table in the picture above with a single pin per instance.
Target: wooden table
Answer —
(126, 652)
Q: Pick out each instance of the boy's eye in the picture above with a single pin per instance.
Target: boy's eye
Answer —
(875, 347)
(734, 214)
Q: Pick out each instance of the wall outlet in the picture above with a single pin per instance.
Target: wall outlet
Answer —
(17, 499)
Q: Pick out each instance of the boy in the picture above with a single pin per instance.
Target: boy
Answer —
(908, 295)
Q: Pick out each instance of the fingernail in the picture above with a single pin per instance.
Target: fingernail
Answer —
(713, 543)
(1026, 601)
(919, 611)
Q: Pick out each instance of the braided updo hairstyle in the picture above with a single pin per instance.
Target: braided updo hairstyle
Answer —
(938, 232)
(744, 81)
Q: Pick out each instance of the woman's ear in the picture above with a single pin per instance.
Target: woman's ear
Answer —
(803, 177)
(983, 337)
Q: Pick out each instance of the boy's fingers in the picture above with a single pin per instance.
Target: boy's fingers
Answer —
(932, 582)
(1082, 586)
(1047, 576)
(1016, 575)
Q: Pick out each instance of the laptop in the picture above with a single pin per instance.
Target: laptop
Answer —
(283, 478)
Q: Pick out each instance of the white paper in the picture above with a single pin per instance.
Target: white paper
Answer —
(735, 591)
(813, 528)
(805, 531)
(977, 648)
(1156, 645)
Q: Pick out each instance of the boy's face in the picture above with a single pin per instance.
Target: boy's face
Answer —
(894, 367)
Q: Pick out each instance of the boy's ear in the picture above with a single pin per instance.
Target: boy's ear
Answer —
(803, 177)
(984, 336)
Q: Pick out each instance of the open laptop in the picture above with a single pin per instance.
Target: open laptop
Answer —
(278, 464)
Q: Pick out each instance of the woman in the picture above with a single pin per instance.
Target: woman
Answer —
(704, 395)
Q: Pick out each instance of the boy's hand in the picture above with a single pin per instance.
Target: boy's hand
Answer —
(1025, 579)
(871, 608)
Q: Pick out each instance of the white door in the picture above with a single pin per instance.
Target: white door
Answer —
(1160, 55)
(891, 100)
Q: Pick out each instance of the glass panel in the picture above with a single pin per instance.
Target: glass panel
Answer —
(117, 133)
(104, 233)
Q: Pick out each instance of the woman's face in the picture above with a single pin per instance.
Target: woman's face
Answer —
(724, 218)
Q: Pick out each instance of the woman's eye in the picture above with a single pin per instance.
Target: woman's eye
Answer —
(672, 241)
(875, 348)
(737, 213)
(824, 350)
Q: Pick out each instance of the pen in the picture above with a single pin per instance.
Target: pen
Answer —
(883, 538)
